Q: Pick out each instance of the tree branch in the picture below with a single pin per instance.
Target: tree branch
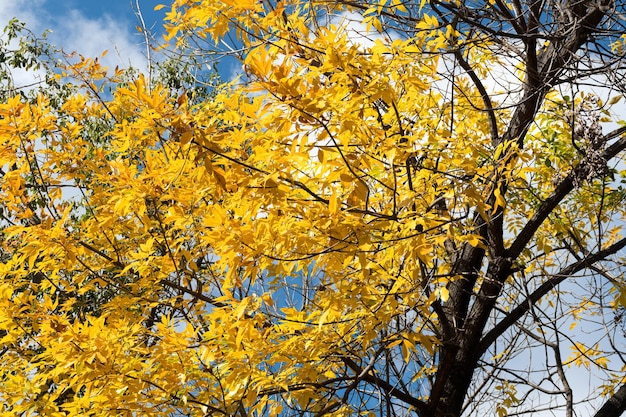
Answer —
(559, 193)
(544, 289)
(614, 406)
(419, 405)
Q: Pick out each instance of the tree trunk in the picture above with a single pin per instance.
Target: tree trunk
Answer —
(615, 406)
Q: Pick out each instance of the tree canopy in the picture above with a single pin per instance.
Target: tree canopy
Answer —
(398, 208)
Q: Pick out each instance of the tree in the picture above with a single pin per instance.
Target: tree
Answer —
(399, 208)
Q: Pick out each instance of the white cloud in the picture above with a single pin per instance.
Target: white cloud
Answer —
(24, 10)
(87, 36)
(91, 37)
(356, 28)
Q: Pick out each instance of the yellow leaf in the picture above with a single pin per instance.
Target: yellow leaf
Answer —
(500, 201)
(333, 202)
(615, 99)
(186, 137)
(377, 24)
(322, 319)
(407, 348)
(475, 240)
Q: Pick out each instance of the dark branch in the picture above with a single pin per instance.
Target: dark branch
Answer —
(419, 405)
(614, 406)
(560, 192)
(544, 289)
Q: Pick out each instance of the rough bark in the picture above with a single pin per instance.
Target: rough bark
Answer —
(615, 406)
(468, 311)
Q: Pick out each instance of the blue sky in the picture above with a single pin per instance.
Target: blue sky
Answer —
(97, 8)
(89, 27)
(118, 10)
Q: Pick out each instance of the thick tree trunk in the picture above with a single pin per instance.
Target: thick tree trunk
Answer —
(615, 406)
(460, 357)
(455, 389)
(467, 311)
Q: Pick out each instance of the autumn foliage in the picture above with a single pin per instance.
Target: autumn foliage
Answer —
(356, 225)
